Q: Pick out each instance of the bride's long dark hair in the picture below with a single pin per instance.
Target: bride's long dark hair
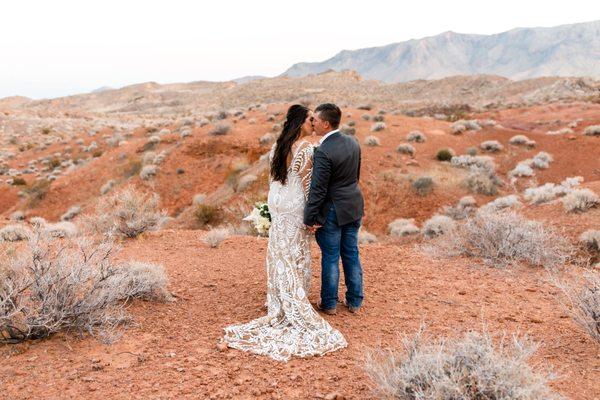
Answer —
(292, 127)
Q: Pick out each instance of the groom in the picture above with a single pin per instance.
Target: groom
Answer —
(335, 208)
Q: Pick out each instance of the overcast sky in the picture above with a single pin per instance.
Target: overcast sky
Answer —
(59, 47)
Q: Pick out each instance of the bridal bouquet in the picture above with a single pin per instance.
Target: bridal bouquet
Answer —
(261, 218)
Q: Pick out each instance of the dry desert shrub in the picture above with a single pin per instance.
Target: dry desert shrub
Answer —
(501, 203)
(444, 155)
(14, 233)
(127, 213)
(348, 130)
(365, 117)
(220, 129)
(491, 146)
(521, 140)
(423, 185)
(563, 131)
(403, 227)
(107, 187)
(590, 241)
(483, 180)
(438, 225)
(215, 236)
(592, 130)
(378, 126)
(416, 136)
(580, 200)
(550, 191)
(583, 295)
(466, 368)
(71, 213)
(148, 172)
(17, 216)
(53, 286)
(465, 207)
(502, 239)
(60, 229)
(208, 214)
(372, 141)
(365, 237)
(267, 138)
(467, 161)
(405, 148)
(245, 182)
(378, 118)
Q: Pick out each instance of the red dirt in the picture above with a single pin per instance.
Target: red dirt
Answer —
(172, 352)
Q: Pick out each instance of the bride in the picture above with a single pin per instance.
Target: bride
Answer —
(292, 327)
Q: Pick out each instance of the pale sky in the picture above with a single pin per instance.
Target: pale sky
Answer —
(61, 47)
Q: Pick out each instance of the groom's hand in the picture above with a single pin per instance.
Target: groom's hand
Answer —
(314, 228)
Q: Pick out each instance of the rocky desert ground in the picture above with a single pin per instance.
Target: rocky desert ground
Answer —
(482, 213)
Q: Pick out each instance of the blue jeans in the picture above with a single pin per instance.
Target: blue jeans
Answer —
(336, 241)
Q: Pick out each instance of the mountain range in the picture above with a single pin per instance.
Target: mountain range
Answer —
(521, 53)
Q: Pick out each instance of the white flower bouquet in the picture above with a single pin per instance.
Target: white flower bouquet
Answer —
(261, 218)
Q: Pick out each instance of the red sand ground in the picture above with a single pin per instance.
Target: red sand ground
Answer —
(172, 351)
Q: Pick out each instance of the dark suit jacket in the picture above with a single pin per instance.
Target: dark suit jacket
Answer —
(335, 176)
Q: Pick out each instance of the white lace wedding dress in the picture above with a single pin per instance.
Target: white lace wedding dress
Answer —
(292, 327)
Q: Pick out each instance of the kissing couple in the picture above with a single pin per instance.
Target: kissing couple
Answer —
(311, 190)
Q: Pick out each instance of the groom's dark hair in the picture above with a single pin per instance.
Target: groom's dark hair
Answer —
(331, 113)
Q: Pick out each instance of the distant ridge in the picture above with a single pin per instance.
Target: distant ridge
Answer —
(521, 53)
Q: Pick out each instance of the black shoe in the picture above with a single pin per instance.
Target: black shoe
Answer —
(352, 309)
(328, 311)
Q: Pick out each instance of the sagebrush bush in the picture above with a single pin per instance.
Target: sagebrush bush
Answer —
(590, 241)
(503, 238)
(378, 126)
(51, 286)
(208, 214)
(348, 130)
(465, 207)
(491, 146)
(403, 227)
(71, 213)
(365, 237)
(372, 141)
(378, 118)
(472, 151)
(60, 229)
(148, 172)
(584, 298)
(423, 185)
(580, 200)
(592, 130)
(127, 213)
(216, 236)
(416, 136)
(501, 203)
(14, 233)
(563, 131)
(438, 225)
(245, 182)
(482, 180)
(521, 170)
(467, 368)
(519, 140)
(405, 148)
(107, 187)
(220, 129)
(17, 216)
(444, 155)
